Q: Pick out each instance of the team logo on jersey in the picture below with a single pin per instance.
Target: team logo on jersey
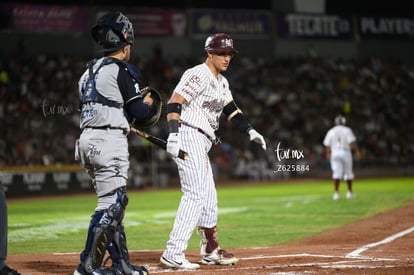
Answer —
(214, 105)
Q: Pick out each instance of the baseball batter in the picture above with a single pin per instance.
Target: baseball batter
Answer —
(339, 141)
(109, 98)
(193, 114)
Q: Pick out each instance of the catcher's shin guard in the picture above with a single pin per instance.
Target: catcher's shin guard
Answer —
(101, 240)
(102, 234)
(118, 249)
(120, 255)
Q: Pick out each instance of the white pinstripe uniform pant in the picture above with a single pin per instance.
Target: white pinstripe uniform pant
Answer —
(198, 204)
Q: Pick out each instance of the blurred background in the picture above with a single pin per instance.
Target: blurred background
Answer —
(300, 63)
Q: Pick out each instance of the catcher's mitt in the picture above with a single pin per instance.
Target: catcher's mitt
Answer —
(155, 111)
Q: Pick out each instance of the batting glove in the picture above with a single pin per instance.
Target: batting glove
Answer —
(173, 144)
(258, 138)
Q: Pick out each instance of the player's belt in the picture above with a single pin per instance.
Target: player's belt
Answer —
(214, 141)
(106, 128)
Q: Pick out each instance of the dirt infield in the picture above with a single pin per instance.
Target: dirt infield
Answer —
(382, 244)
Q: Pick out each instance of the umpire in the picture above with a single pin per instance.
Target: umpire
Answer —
(4, 268)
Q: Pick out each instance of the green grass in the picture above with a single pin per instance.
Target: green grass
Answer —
(251, 215)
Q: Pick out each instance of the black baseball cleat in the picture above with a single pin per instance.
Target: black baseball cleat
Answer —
(131, 269)
(113, 270)
(7, 270)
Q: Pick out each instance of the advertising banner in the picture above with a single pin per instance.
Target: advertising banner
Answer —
(45, 18)
(313, 26)
(156, 22)
(386, 27)
(251, 23)
(32, 183)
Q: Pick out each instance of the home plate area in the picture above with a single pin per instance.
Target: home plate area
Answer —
(382, 244)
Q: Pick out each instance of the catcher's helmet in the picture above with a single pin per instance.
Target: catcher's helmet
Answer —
(219, 42)
(340, 120)
(113, 31)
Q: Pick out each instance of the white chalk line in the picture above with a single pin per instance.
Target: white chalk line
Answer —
(356, 253)
(259, 257)
(357, 263)
(343, 264)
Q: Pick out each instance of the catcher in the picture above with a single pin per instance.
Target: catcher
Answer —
(110, 102)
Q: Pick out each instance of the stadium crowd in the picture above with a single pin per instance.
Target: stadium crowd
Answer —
(291, 101)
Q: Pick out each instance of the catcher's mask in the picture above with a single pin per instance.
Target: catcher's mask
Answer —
(155, 112)
(219, 42)
(113, 31)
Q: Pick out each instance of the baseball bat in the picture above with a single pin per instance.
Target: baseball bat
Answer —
(158, 141)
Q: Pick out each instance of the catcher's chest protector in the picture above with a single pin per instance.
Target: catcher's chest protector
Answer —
(90, 94)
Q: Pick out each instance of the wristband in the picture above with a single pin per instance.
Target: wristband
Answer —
(174, 108)
(173, 125)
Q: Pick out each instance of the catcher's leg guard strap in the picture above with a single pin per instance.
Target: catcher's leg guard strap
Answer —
(210, 238)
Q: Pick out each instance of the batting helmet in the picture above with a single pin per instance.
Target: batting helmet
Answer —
(155, 112)
(219, 42)
(340, 120)
(113, 31)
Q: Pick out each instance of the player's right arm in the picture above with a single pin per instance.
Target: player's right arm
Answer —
(174, 106)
